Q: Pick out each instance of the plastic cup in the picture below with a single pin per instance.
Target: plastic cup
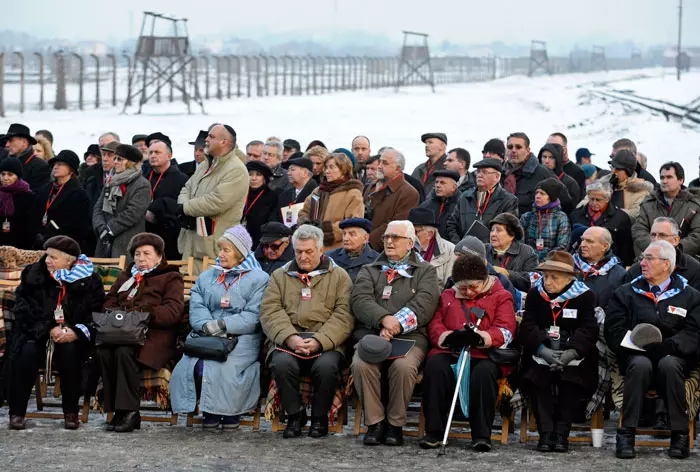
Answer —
(597, 435)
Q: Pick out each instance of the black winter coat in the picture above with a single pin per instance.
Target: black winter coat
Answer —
(580, 333)
(70, 211)
(603, 286)
(686, 266)
(519, 260)
(416, 184)
(613, 219)
(269, 266)
(258, 212)
(568, 202)
(627, 309)
(443, 208)
(188, 168)
(164, 193)
(353, 265)
(35, 171)
(288, 197)
(466, 211)
(91, 178)
(574, 171)
(527, 178)
(23, 223)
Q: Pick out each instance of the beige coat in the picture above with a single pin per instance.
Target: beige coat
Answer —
(443, 261)
(635, 192)
(218, 194)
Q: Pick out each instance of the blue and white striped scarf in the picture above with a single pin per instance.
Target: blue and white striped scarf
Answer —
(83, 268)
(588, 269)
(576, 289)
(135, 271)
(249, 263)
(663, 296)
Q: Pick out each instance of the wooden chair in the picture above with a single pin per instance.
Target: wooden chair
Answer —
(116, 262)
(10, 285)
(529, 426)
(659, 432)
(41, 390)
(186, 266)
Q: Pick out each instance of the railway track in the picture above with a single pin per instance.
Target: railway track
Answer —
(689, 112)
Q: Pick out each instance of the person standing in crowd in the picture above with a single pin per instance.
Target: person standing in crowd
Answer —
(628, 189)
(361, 150)
(318, 155)
(97, 176)
(261, 203)
(62, 208)
(188, 168)
(458, 160)
(323, 308)
(46, 134)
(474, 289)
(570, 168)
(393, 297)
(19, 222)
(54, 302)
(629, 145)
(435, 146)
(552, 157)
(663, 299)
(43, 149)
(213, 199)
(597, 266)
(599, 211)
(391, 198)
(443, 199)
(355, 251)
(253, 150)
(166, 182)
(371, 168)
(481, 203)
(20, 143)
(120, 212)
(507, 254)
(140, 142)
(494, 149)
(434, 250)
(91, 157)
(274, 249)
(522, 171)
(299, 172)
(559, 326)
(670, 200)
(290, 147)
(546, 226)
(583, 157)
(272, 157)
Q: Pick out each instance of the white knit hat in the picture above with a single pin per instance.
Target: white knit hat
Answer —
(239, 237)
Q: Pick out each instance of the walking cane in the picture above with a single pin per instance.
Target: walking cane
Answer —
(441, 452)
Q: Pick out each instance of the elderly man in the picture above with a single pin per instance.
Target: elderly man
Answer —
(391, 198)
(394, 297)
(356, 250)
(20, 143)
(253, 150)
(361, 150)
(140, 142)
(663, 299)
(272, 157)
(434, 250)
(444, 197)
(599, 211)
(598, 268)
(666, 229)
(299, 173)
(166, 183)
(307, 331)
(212, 200)
(481, 203)
(274, 249)
(458, 160)
(671, 200)
(188, 168)
(435, 146)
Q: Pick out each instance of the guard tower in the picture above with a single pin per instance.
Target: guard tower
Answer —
(539, 58)
(414, 62)
(163, 59)
(598, 59)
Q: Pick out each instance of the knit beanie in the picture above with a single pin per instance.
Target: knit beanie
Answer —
(11, 164)
(469, 267)
(239, 237)
(470, 245)
(551, 187)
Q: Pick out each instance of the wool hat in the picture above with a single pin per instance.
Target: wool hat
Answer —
(158, 137)
(495, 146)
(644, 334)
(558, 261)
(552, 187)
(349, 155)
(110, 146)
(17, 129)
(441, 136)
(11, 164)
(624, 159)
(373, 349)
(146, 239)
(489, 163)
(128, 152)
(511, 222)
(67, 157)
(316, 142)
(139, 137)
(238, 235)
(64, 244)
(304, 162)
(420, 216)
(469, 267)
(94, 150)
(295, 155)
(273, 231)
(356, 223)
(291, 144)
(588, 170)
(470, 245)
(201, 139)
(259, 166)
(581, 153)
(450, 174)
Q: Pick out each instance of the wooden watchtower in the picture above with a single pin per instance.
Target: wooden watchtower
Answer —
(414, 62)
(539, 58)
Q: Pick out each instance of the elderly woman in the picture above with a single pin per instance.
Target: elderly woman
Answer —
(507, 254)
(150, 285)
(558, 333)
(261, 202)
(434, 250)
(473, 292)
(599, 211)
(55, 302)
(225, 301)
(43, 149)
(547, 226)
(120, 212)
(19, 224)
(338, 197)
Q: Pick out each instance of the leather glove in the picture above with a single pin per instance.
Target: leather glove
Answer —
(106, 237)
(214, 328)
(552, 357)
(186, 222)
(657, 351)
(462, 338)
(568, 356)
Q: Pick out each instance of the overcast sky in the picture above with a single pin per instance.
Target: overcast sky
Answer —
(465, 21)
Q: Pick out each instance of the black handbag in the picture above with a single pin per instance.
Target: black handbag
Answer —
(211, 348)
(121, 327)
(501, 356)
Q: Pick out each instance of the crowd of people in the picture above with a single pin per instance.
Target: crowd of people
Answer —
(338, 259)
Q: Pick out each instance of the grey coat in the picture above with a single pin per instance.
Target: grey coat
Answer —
(128, 219)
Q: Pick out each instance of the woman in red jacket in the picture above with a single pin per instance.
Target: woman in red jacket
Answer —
(474, 293)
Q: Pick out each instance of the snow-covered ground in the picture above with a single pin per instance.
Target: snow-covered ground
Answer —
(470, 114)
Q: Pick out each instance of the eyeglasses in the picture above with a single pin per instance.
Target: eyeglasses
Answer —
(650, 258)
(393, 237)
(516, 146)
(273, 247)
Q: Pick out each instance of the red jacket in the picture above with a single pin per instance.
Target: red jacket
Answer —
(497, 303)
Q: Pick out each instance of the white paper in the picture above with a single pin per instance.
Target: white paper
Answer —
(294, 213)
(627, 342)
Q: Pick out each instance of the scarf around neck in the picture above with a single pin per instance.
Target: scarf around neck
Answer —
(589, 269)
(331, 186)
(249, 263)
(82, 269)
(109, 203)
(548, 206)
(7, 196)
(577, 288)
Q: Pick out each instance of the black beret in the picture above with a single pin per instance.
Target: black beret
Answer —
(299, 161)
(489, 163)
(140, 137)
(158, 137)
(422, 217)
(259, 167)
(128, 152)
(447, 173)
(291, 144)
(67, 157)
(356, 223)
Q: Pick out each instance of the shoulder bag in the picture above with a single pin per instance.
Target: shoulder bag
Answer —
(121, 327)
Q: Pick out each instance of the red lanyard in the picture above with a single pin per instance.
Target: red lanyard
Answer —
(29, 159)
(429, 169)
(539, 222)
(222, 280)
(555, 315)
(61, 295)
(250, 207)
(503, 266)
(479, 209)
(561, 175)
(442, 207)
(305, 279)
(653, 297)
(50, 201)
(153, 190)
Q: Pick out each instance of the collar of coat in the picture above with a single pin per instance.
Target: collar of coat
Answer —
(678, 284)
(658, 195)
(217, 161)
(396, 183)
(497, 194)
(160, 269)
(327, 265)
(414, 260)
(531, 164)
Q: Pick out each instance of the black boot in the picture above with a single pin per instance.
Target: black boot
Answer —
(680, 445)
(394, 435)
(375, 434)
(624, 443)
(116, 419)
(546, 442)
(319, 427)
(481, 444)
(130, 421)
(295, 423)
(561, 443)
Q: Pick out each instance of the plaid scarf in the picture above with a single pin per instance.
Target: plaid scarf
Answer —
(589, 270)
(82, 269)
(576, 289)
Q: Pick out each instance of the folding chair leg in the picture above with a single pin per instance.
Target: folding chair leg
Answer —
(524, 420)
(86, 409)
(505, 429)
(173, 419)
(256, 418)
(57, 387)
(358, 417)
(39, 394)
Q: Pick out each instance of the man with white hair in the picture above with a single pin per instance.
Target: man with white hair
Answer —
(272, 156)
(391, 199)
(394, 297)
(660, 298)
(356, 251)
(598, 267)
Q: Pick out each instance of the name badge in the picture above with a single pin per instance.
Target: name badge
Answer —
(288, 216)
(553, 332)
(386, 293)
(570, 313)
(225, 301)
(306, 293)
(5, 226)
(539, 244)
(58, 315)
(674, 310)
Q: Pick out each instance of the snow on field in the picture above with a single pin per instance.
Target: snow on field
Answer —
(470, 114)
